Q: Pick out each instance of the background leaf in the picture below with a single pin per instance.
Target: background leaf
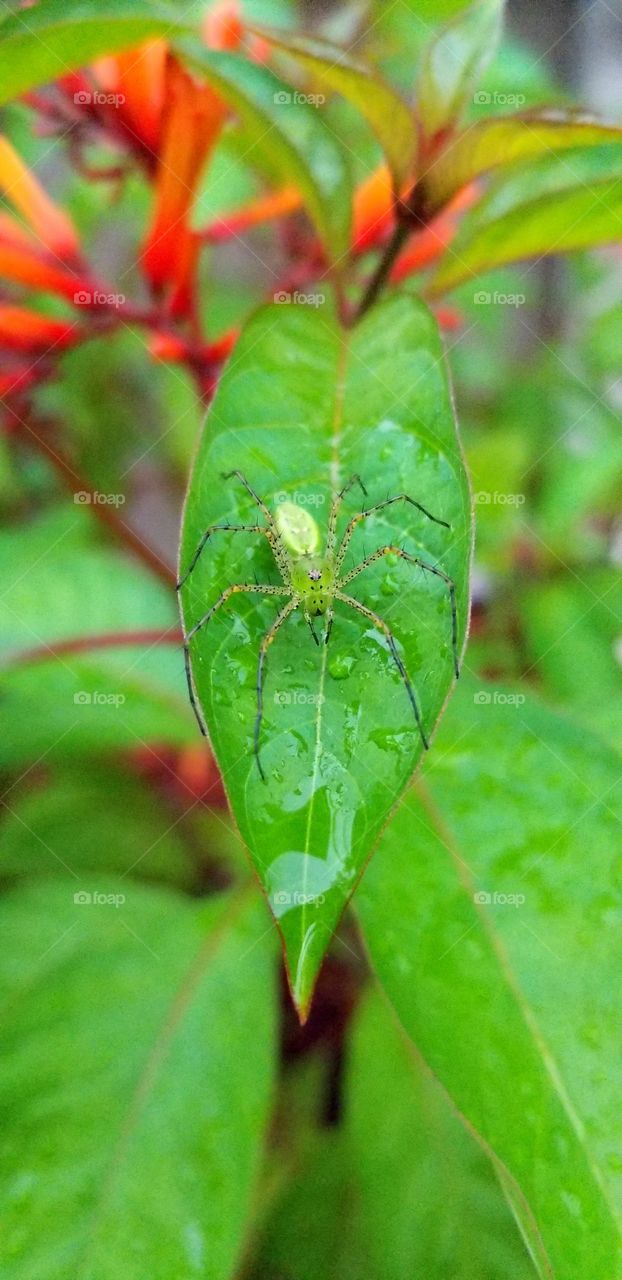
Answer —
(56, 36)
(62, 584)
(506, 140)
(291, 134)
(301, 407)
(140, 1159)
(453, 62)
(498, 953)
(389, 117)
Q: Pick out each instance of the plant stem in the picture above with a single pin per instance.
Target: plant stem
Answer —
(395, 244)
(84, 644)
(106, 515)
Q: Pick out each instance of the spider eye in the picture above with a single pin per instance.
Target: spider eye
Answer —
(314, 575)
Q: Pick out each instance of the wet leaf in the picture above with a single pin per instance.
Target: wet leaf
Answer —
(301, 407)
(492, 915)
(507, 140)
(141, 1033)
(453, 62)
(290, 135)
(56, 36)
(387, 114)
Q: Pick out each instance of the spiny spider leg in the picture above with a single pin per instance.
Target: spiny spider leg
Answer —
(239, 475)
(309, 622)
(258, 588)
(231, 528)
(278, 550)
(382, 625)
(330, 618)
(379, 506)
(429, 568)
(265, 645)
(334, 510)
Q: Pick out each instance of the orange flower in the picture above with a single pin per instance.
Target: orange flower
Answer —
(52, 225)
(134, 82)
(192, 123)
(24, 330)
(23, 260)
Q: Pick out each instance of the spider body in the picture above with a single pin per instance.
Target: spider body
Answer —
(312, 581)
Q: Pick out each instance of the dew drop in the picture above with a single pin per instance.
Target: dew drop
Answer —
(341, 666)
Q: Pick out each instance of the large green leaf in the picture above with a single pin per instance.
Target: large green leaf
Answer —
(55, 36)
(508, 140)
(387, 114)
(552, 204)
(291, 134)
(301, 407)
(427, 1201)
(453, 63)
(492, 915)
(61, 584)
(92, 820)
(136, 1080)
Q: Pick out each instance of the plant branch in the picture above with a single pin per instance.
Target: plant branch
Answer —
(84, 644)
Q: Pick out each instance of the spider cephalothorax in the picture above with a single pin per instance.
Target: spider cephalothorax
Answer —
(313, 581)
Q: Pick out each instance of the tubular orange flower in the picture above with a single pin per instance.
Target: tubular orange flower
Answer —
(53, 226)
(263, 209)
(136, 79)
(24, 330)
(431, 243)
(22, 259)
(191, 125)
(373, 209)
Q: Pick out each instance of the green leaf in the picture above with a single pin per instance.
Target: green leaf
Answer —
(453, 62)
(508, 140)
(386, 113)
(136, 1080)
(89, 821)
(407, 1224)
(61, 584)
(54, 37)
(573, 633)
(492, 915)
(290, 134)
(301, 407)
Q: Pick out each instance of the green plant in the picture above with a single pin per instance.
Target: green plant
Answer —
(214, 212)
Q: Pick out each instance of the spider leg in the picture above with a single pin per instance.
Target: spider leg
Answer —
(265, 645)
(383, 626)
(379, 506)
(429, 568)
(334, 510)
(330, 618)
(309, 622)
(273, 535)
(239, 475)
(229, 591)
(215, 528)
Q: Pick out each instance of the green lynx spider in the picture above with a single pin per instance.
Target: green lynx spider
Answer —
(313, 581)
